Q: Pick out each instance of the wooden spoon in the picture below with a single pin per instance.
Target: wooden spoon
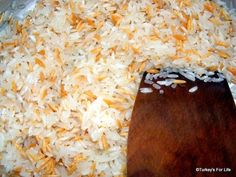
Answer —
(176, 133)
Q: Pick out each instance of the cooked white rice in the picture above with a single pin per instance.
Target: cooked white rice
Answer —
(70, 74)
(193, 89)
(161, 91)
(156, 86)
(146, 90)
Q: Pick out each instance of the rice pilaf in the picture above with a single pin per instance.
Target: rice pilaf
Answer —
(71, 70)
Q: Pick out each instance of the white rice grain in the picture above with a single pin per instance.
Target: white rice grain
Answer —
(156, 86)
(188, 75)
(148, 82)
(193, 89)
(146, 90)
(173, 86)
(166, 82)
(173, 76)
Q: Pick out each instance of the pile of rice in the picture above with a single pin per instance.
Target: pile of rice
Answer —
(70, 72)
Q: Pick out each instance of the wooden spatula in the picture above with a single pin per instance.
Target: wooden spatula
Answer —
(183, 134)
